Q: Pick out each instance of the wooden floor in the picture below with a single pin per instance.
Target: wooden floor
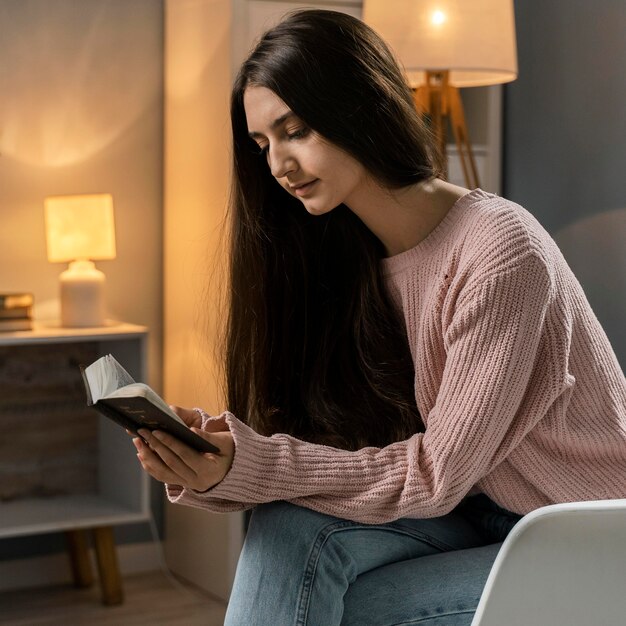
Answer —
(149, 599)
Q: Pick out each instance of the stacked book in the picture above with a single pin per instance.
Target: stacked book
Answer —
(16, 311)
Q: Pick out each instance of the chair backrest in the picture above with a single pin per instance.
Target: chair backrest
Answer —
(561, 565)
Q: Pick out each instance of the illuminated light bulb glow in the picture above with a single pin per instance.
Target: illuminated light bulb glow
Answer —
(438, 18)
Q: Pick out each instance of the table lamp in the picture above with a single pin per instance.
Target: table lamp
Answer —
(80, 229)
(444, 45)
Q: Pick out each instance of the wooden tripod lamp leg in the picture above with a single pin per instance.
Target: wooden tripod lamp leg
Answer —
(431, 99)
(459, 128)
(441, 101)
(110, 579)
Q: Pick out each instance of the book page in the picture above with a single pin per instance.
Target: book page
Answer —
(105, 376)
(119, 376)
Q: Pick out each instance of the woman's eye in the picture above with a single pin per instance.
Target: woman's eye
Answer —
(298, 133)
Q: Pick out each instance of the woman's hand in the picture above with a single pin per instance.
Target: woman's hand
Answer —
(170, 461)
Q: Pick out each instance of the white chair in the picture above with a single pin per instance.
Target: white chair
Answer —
(561, 565)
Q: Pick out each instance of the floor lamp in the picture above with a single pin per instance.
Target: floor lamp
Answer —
(444, 45)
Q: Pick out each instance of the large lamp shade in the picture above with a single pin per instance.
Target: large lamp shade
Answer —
(473, 39)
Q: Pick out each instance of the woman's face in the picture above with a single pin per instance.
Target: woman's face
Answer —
(310, 168)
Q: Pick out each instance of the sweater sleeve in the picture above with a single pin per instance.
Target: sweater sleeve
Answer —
(493, 343)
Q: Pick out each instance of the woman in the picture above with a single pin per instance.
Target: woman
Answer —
(410, 365)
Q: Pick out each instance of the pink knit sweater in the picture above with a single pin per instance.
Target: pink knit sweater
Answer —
(522, 396)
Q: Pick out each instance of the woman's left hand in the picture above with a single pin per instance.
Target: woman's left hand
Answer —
(170, 461)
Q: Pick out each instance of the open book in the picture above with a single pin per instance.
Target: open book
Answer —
(112, 391)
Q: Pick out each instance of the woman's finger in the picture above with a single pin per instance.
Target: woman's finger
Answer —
(154, 465)
(180, 458)
(159, 439)
(191, 417)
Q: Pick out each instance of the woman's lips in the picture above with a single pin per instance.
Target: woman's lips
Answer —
(304, 190)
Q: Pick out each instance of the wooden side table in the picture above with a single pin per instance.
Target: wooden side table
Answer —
(65, 468)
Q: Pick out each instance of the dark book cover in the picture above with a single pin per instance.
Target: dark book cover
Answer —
(135, 412)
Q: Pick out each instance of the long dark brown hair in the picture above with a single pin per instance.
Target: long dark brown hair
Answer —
(314, 346)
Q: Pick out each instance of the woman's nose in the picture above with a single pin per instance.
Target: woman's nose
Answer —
(281, 162)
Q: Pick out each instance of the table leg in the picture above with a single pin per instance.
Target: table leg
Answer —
(79, 558)
(110, 579)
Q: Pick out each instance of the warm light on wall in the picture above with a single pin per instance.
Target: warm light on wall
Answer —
(80, 229)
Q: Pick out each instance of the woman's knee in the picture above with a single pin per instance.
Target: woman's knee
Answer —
(283, 526)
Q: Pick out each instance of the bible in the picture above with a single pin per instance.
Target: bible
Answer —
(112, 392)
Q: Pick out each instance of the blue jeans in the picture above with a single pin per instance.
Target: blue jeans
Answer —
(299, 567)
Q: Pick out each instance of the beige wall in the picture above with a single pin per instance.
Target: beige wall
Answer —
(81, 112)
(201, 546)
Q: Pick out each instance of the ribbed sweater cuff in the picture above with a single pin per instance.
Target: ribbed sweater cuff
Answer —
(206, 500)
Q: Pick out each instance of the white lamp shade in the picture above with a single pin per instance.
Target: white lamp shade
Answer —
(474, 39)
(80, 227)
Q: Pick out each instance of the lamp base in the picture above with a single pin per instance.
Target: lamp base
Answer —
(82, 295)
